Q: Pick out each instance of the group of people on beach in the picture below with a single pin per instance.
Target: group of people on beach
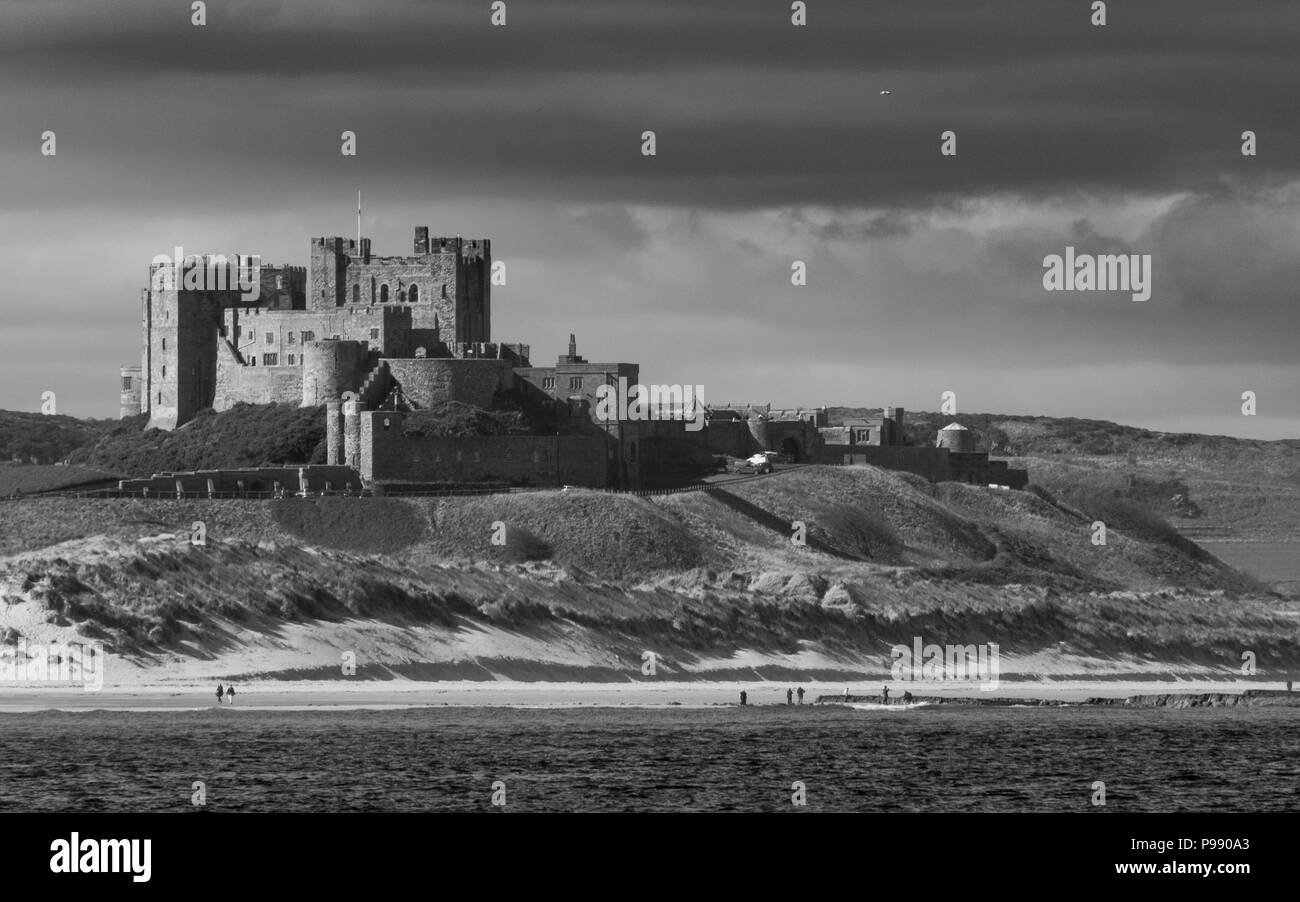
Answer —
(225, 692)
(790, 694)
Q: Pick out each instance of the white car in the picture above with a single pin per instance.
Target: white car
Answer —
(756, 464)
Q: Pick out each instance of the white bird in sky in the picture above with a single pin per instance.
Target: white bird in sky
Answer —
(883, 93)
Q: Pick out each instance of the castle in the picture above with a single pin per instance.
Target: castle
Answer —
(307, 335)
(375, 339)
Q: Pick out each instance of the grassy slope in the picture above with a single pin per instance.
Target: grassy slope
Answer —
(24, 479)
(25, 435)
(1246, 488)
(697, 576)
(247, 435)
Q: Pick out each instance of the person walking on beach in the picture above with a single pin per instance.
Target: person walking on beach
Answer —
(220, 693)
(846, 693)
(789, 696)
(744, 697)
(884, 693)
(801, 695)
(230, 694)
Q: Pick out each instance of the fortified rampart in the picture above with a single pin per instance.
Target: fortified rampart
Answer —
(289, 480)
(388, 455)
(425, 382)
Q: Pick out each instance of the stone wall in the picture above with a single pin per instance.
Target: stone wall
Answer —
(976, 468)
(254, 384)
(722, 436)
(525, 460)
(257, 331)
(425, 382)
(932, 463)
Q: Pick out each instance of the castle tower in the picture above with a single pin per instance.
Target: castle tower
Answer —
(957, 438)
(446, 283)
(329, 368)
(182, 327)
(131, 392)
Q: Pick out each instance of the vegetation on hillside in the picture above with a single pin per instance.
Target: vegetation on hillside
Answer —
(453, 418)
(36, 438)
(247, 435)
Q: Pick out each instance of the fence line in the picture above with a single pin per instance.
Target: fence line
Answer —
(387, 492)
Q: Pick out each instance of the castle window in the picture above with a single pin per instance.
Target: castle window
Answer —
(164, 375)
(126, 383)
(414, 294)
(575, 382)
(164, 346)
(279, 282)
(159, 397)
(291, 360)
(249, 335)
(383, 294)
(270, 360)
(356, 294)
(374, 334)
(548, 382)
(252, 360)
(270, 338)
(308, 336)
(290, 338)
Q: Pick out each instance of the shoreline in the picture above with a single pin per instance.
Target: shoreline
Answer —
(270, 695)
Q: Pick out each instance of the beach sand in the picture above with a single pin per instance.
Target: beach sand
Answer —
(343, 695)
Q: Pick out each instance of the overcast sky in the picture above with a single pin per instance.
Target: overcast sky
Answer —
(774, 144)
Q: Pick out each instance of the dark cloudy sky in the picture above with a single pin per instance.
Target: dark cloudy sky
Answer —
(774, 144)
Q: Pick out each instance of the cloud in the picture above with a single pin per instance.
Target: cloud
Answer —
(774, 144)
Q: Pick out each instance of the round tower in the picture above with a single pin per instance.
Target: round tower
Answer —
(329, 368)
(956, 438)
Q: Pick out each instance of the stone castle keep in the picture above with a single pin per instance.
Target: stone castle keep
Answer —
(376, 340)
(309, 335)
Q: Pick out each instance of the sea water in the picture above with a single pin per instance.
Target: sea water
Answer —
(721, 758)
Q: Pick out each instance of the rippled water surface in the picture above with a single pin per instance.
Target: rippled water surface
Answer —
(669, 759)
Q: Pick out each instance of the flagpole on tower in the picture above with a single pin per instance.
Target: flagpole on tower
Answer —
(358, 219)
